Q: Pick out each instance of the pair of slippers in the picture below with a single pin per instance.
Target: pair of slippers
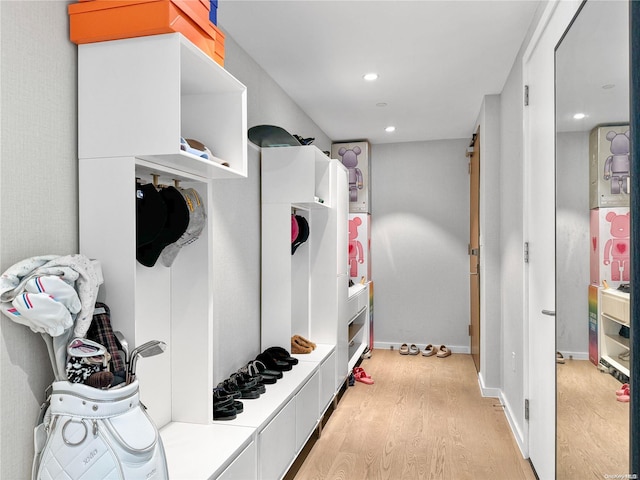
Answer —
(361, 376)
(276, 359)
(623, 394)
(441, 351)
(300, 344)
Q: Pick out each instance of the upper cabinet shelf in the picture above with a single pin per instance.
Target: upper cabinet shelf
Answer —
(296, 175)
(138, 96)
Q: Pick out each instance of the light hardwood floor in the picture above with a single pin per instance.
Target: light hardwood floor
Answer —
(424, 418)
(593, 427)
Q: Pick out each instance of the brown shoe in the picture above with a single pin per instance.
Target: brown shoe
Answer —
(304, 342)
(443, 351)
(429, 350)
(297, 347)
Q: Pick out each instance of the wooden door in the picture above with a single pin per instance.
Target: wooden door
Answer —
(474, 248)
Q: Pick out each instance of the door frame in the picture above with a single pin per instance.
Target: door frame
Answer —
(475, 327)
(634, 90)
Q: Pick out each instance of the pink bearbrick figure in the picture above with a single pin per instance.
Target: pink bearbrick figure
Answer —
(616, 250)
(356, 253)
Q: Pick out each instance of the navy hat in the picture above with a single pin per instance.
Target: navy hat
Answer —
(151, 213)
(303, 233)
(176, 223)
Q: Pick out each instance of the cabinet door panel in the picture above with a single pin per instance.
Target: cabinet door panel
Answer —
(307, 410)
(244, 467)
(277, 443)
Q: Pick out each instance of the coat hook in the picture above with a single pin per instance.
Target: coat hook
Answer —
(176, 183)
(155, 177)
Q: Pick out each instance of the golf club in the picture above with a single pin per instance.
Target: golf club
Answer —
(148, 349)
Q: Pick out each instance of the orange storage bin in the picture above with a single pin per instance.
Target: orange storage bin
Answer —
(102, 20)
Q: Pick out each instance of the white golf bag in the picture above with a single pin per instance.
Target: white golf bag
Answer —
(89, 433)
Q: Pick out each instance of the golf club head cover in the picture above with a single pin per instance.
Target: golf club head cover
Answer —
(60, 290)
(41, 312)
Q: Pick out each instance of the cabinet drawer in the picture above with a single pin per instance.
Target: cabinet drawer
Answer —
(615, 306)
(356, 303)
(277, 443)
(244, 467)
(363, 299)
(352, 308)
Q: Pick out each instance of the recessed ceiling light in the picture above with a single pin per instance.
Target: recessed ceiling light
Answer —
(370, 77)
(579, 116)
(381, 104)
(390, 129)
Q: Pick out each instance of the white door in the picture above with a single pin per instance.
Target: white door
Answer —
(539, 233)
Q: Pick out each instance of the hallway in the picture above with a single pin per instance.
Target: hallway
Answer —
(424, 418)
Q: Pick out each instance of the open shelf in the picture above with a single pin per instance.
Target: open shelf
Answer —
(138, 96)
(614, 315)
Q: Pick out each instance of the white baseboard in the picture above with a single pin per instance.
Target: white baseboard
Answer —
(575, 355)
(488, 391)
(518, 434)
(396, 346)
(508, 412)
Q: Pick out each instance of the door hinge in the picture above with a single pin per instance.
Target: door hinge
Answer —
(526, 252)
(470, 330)
(469, 170)
(526, 95)
(526, 409)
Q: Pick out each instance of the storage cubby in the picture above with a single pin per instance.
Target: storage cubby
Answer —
(295, 181)
(296, 175)
(138, 96)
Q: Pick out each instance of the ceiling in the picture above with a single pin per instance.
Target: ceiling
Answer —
(592, 68)
(435, 60)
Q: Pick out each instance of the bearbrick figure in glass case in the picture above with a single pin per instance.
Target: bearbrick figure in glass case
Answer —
(617, 165)
(616, 250)
(350, 160)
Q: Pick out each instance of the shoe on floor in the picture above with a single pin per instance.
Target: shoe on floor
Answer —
(429, 350)
(559, 357)
(404, 349)
(443, 351)
(361, 371)
(413, 349)
(625, 397)
(361, 376)
(624, 390)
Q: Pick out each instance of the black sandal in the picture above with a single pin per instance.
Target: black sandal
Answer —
(272, 363)
(280, 353)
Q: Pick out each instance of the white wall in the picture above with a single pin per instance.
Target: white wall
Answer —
(267, 103)
(420, 232)
(490, 224)
(38, 196)
(572, 243)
